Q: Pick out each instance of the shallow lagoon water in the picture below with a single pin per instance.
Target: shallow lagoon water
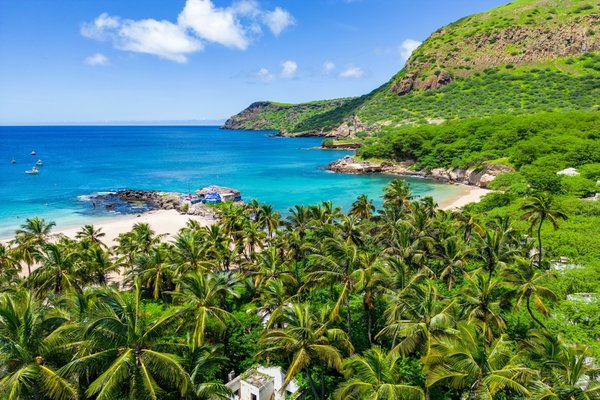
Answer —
(81, 160)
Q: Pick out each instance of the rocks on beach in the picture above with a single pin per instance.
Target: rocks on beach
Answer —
(132, 201)
(480, 177)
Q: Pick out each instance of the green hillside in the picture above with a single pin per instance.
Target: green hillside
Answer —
(526, 56)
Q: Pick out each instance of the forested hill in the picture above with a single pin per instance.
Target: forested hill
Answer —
(523, 57)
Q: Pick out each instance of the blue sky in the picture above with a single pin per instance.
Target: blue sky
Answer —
(95, 61)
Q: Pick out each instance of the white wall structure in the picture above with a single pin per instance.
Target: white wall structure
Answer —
(262, 383)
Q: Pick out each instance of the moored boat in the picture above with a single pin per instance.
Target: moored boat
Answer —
(33, 153)
(32, 171)
(39, 163)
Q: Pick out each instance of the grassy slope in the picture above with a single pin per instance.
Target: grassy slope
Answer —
(291, 117)
(496, 65)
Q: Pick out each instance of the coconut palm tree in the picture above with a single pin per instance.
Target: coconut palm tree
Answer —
(453, 253)
(57, 271)
(201, 296)
(269, 219)
(539, 209)
(95, 264)
(254, 238)
(9, 266)
(397, 193)
(484, 300)
(92, 235)
(376, 376)
(37, 229)
(30, 238)
(337, 263)
(299, 219)
(416, 315)
(270, 267)
(568, 372)
(31, 336)
(153, 272)
(218, 246)
(465, 362)
(200, 361)
(188, 251)
(496, 249)
(120, 351)
(306, 339)
(528, 283)
(362, 207)
(350, 229)
(139, 240)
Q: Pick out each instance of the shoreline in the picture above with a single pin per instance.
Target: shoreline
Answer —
(167, 222)
(471, 194)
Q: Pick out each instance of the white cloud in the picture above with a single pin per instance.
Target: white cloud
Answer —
(217, 25)
(199, 22)
(352, 72)
(407, 47)
(97, 29)
(265, 74)
(278, 20)
(160, 38)
(289, 69)
(249, 8)
(96, 59)
(328, 67)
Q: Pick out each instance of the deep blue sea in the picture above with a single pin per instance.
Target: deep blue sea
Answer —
(82, 160)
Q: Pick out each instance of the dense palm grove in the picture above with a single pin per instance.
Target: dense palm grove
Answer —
(406, 302)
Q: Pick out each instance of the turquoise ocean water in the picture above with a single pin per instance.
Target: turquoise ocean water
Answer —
(82, 160)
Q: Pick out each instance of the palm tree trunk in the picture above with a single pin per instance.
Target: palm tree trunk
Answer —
(322, 379)
(539, 234)
(348, 318)
(369, 323)
(532, 315)
(312, 384)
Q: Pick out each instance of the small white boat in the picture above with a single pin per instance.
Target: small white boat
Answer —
(33, 153)
(13, 161)
(39, 163)
(32, 171)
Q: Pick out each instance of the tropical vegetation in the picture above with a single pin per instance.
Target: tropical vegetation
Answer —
(400, 301)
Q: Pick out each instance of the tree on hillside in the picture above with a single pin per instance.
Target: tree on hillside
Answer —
(306, 339)
(121, 351)
(529, 283)
(376, 376)
(467, 363)
(31, 335)
(362, 207)
(201, 296)
(539, 209)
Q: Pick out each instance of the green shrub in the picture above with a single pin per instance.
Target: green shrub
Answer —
(580, 186)
(327, 143)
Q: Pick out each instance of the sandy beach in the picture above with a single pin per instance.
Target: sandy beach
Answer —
(471, 194)
(167, 222)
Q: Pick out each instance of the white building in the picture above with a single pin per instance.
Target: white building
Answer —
(262, 383)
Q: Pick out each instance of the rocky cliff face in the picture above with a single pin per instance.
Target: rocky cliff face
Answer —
(351, 127)
(288, 119)
(480, 177)
(464, 48)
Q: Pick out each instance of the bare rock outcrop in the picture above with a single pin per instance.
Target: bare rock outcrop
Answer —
(350, 127)
(480, 177)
